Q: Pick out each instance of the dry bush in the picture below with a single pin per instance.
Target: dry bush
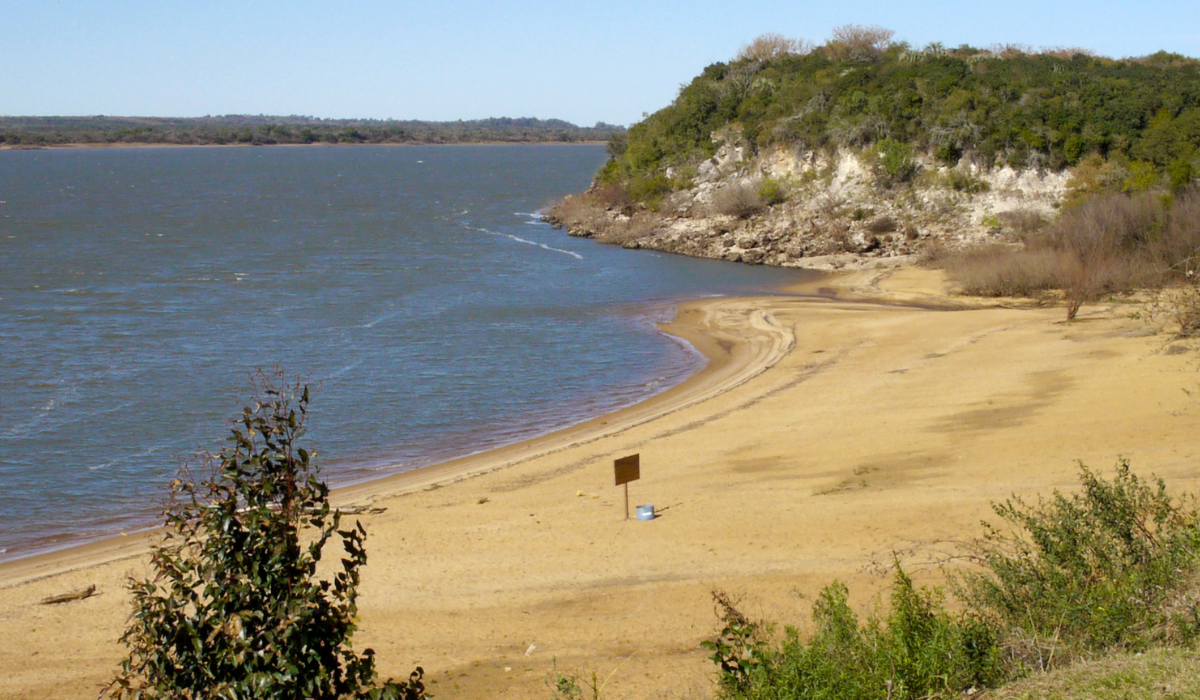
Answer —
(1001, 271)
(1011, 50)
(630, 230)
(613, 197)
(1176, 248)
(738, 199)
(1022, 221)
(1066, 52)
(830, 204)
(1110, 244)
(883, 224)
(581, 214)
(1107, 226)
(858, 42)
(771, 47)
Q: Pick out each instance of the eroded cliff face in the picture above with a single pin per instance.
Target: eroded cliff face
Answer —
(801, 209)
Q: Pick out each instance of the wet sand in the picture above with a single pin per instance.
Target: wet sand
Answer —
(824, 434)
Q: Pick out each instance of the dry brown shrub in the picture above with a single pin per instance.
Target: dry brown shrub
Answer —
(581, 214)
(1107, 226)
(738, 199)
(1001, 271)
(631, 229)
(883, 224)
(771, 47)
(858, 42)
(1176, 248)
(1111, 244)
(1066, 52)
(1022, 221)
(1011, 50)
(613, 196)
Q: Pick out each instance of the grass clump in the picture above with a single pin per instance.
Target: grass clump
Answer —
(1157, 674)
(1113, 567)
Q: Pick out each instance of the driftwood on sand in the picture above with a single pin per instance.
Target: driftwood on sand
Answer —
(68, 597)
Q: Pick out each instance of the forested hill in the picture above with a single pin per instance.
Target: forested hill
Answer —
(268, 130)
(1045, 109)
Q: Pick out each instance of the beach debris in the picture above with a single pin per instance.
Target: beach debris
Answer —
(68, 597)
(579, 493)
(529, 651)
(363, 510)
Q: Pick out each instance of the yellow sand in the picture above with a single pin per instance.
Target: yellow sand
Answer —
(825, 435)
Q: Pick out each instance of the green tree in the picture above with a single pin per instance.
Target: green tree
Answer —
(235, 608)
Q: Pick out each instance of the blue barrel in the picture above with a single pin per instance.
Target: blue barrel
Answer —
(645, 512)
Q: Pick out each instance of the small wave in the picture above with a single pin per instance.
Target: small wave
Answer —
(344, 370)
(37, 423)
(526, 241)
(381, 319)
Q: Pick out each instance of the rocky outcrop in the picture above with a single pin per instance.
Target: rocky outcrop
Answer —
(803, 209)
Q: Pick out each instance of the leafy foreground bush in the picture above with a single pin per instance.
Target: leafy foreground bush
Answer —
(235, 608)
(1108, 567)
(919, 651)
(1112, 566)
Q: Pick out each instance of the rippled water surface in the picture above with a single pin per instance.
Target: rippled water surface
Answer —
(140, 287)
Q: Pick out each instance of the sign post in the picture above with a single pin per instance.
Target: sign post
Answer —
(627, 469)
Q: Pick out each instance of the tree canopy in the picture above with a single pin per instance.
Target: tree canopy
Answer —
(1007, 105)
(266, 130)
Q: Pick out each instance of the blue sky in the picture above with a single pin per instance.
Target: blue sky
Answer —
(467, 59)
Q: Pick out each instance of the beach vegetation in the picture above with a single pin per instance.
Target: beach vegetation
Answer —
(1093, 575)
(1110, 243)
(239, 604)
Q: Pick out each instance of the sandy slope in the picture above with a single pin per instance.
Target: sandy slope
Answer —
(825, 434)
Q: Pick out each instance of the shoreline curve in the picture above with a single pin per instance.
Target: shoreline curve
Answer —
(737, 336)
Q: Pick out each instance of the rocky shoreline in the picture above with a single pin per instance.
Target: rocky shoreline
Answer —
(820, 212)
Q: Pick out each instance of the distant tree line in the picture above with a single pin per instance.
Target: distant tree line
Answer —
(1049, 108)
(270, 130)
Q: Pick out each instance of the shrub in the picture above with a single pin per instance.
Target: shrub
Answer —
(894, 162)
(772, 47)
(1092, 570)
(1022, 221)
(919, 651)
(739, 199)
(772, 192)
(960, 181)
(1113, 566)
(1001, 271)
(883, 224)
(650, 189)
(235, 608)
(857, 42)
(1113, 243)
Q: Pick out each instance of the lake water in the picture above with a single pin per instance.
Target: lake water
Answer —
(139, 288)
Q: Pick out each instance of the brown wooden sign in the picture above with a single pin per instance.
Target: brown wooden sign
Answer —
(627, 469)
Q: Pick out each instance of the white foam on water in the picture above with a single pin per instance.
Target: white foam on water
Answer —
(344, 370)
(526, 241)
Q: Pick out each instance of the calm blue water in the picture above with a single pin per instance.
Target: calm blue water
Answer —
(139, 289)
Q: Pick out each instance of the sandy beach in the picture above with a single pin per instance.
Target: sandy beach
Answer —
(827, 432)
